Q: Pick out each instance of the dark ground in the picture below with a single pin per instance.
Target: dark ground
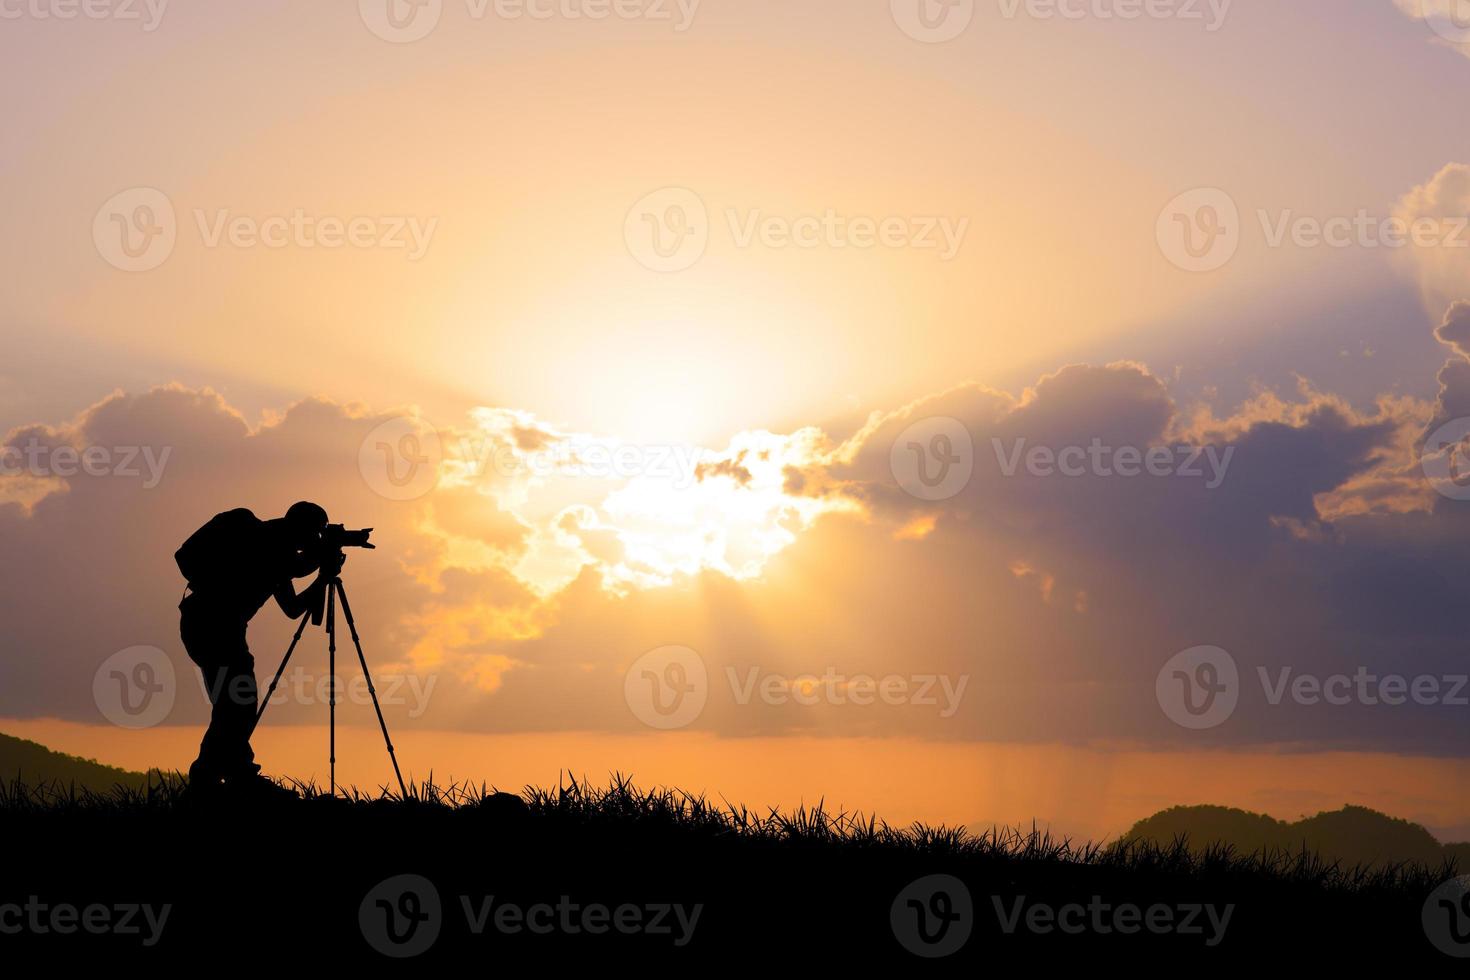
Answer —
(268, 886)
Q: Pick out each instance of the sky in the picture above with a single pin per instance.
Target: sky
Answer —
(743, 394)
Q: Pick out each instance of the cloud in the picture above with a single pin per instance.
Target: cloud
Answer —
(1436, 217)
(1455, 330)
(89, 567)
(1292, 529)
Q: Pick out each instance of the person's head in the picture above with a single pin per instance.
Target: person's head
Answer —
(305, 522)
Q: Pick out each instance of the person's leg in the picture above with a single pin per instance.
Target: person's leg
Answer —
(219, 649)
(211, 766)
(238, 707)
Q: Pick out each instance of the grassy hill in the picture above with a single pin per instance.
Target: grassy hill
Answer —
(331, 880)
(1354, 835)
(630, 878)
(33, 763)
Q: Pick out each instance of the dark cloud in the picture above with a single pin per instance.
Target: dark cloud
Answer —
(1054, 599)
(1455, 330)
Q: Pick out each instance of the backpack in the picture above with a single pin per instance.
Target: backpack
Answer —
(212, 551)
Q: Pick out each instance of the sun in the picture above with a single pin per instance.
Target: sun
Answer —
(643, 514)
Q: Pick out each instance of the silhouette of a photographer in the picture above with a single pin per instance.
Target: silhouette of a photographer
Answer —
(234, 564)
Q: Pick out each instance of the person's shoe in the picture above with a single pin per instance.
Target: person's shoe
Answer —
(254, 786)
(203, 779)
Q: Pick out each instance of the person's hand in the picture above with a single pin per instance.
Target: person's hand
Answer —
(314, 599)
(332, 565)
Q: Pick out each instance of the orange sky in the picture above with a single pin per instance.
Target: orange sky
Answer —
(1091, 793)
(877, 243)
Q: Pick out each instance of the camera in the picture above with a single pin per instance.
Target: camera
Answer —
(329, 557)
(336, 537)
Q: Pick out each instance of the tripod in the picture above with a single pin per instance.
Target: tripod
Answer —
(335, 593)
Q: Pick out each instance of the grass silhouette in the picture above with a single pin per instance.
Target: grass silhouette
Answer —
(293, 875)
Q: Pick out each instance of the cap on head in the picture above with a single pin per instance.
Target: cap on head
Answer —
(307, 517)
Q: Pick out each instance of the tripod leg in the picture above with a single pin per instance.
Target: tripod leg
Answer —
(362, 660)
(332, 686)
(260, 712)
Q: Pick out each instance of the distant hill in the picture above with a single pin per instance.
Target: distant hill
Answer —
(33, 763)
(1352, 835)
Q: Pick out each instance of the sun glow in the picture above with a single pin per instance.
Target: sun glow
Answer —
(642, 515)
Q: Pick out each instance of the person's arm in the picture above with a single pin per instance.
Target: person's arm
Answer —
(296, 604)
(303, 564)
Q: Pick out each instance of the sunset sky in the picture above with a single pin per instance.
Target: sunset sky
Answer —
(619, 321)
